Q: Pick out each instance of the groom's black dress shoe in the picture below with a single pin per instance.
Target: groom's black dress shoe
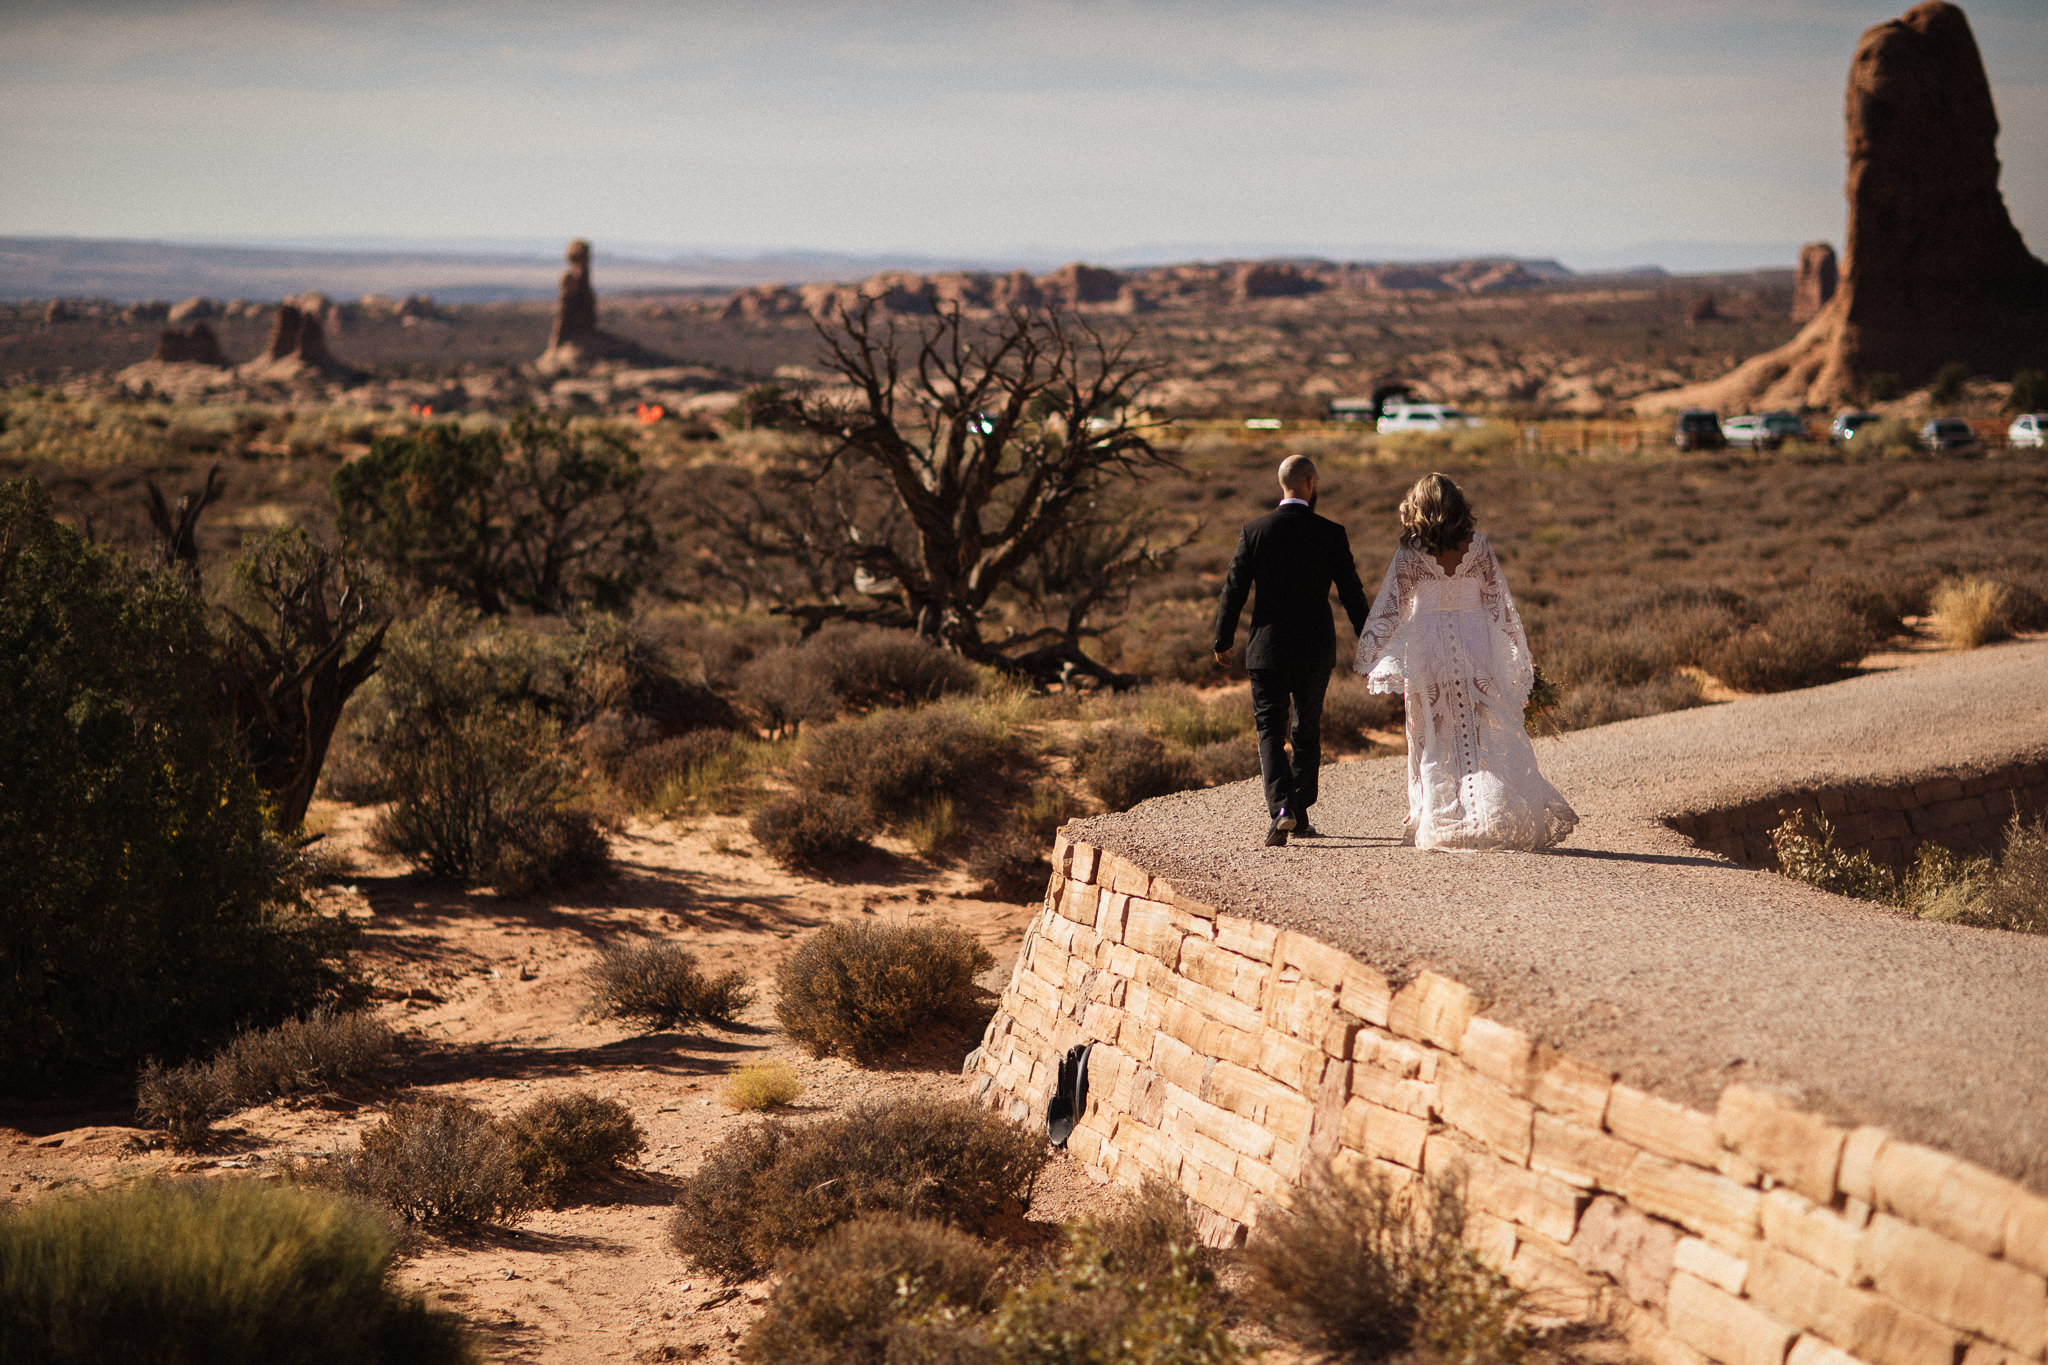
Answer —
(1304, 830)
(1286, 820)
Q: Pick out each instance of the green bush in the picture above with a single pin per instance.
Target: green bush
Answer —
(1356, 1269)
(259, 1065)
(437, 1162)
(562, 1141)
(857, 988)
(1806, 851)
(776, 1187)
(867, 1291)
(147, 908)
(1124, 766)
(812, 831)
(545, 514)
(661, 986)
(227, 1272)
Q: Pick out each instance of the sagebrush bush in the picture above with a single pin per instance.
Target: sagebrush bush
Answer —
(1350, 708)
(869, 667)
(704, 770)
(1090, 1307)
(1602, 703)
(867, 1292)
(661, 986)
(777, 1187)
(546, 848)
(762, 1086)
(812, 830)
(1809, 638)
(1014, 865)
(259, 1065)
(1357, 1269)
(561, 1141)
(1943, 886)
(1123, 766)
(856, 988)
(437, 1162)
(1148, 1232)
(897, 763)
(1806, 851)
(2016, 896)
(230, 1272)
(1228, 760)
(785, 689)
(147, 910)
(1969, 612)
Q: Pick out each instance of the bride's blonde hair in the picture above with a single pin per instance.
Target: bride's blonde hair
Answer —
(1435, 516)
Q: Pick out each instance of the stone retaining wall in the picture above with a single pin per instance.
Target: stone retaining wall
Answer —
(1967, 814)
(1229, 1054)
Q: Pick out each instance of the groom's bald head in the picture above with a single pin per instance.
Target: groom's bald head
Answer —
(1297, 476)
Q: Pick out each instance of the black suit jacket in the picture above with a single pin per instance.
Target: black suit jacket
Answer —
(1292, 556)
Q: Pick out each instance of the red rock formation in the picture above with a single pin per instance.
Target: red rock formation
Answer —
(762, 301)
(1816, 282)
(197, 346)
(577, 342)
(1078, 283)
(1934, 271)
(1016, 290)
(298, 348)
(1703, 310)
(1274, 280)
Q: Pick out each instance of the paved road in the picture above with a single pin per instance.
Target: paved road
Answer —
(1632, 947)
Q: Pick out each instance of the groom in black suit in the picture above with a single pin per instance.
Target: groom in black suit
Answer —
(1293, 557)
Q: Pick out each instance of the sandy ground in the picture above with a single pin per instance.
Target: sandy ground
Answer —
(491, 997)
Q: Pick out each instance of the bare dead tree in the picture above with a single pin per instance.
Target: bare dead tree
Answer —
(177, 528)
(984, 442)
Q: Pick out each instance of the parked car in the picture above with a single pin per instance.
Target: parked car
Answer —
(1845, 426)
(1763, 431)
(1698, 429)
(1948, 434)
(2029, 431)
(1423, 417)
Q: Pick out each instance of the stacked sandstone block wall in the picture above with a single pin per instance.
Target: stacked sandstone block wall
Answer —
(1968, 814)
(1229, 1054)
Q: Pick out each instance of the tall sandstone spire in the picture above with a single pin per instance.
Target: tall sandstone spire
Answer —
(1934, 271)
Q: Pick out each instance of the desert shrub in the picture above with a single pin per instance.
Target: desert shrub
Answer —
(702, 770)
(2029, 391)
(1884, 598)
(1123, 765)
(762, 1086)
(1969, 612)
(1144, 1236)
(776, 1187)
(617, 666)
(2015, 897)
(1169, 642)
(1894, 436)
(787, 688)
(231, 1272)
(856, 988)
(866, 1291)
(660, 985)
(897, 763)
(1947, 387)
(437, 1162)
(1350, 708)
(1091, 1307)
(812, 830)
(147, 908)
(1602, 703)
(869, 667)
(1012, 866)
(1228, 760)
(1182, 718)
(564, 1140)
(1806, 851)
(1809, 638)
(545, 514)
(1943, 886)
(1358, 1269)
(258, 1065)
(546, 848)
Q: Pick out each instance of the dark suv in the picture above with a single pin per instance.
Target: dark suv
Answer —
(1698, 429)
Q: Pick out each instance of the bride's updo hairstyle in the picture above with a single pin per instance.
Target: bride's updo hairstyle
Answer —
(1435, 517)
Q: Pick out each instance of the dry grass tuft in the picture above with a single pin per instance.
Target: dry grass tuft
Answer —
(762, 1086)
(1969, 612)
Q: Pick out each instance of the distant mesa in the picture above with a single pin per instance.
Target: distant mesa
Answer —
(1933, 271)
(298, 345)
(1816, 281)
(577, 343)
(1078, 284)
(194, 309)
(1275, 280)
(196, 345)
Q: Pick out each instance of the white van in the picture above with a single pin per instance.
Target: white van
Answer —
(1423, 417)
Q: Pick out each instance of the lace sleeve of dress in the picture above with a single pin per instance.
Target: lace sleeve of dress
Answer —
(1385, 618)
(1511, 642)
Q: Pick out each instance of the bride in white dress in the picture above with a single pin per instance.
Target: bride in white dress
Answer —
(1444, 634)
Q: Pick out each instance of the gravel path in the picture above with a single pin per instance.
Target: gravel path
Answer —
(1631, 946)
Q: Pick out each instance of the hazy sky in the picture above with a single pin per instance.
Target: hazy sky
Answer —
(973, 127)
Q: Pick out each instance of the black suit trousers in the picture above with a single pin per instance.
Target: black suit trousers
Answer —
(1276, 692)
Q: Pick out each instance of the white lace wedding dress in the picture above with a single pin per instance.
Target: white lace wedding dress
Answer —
(1452, 645)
